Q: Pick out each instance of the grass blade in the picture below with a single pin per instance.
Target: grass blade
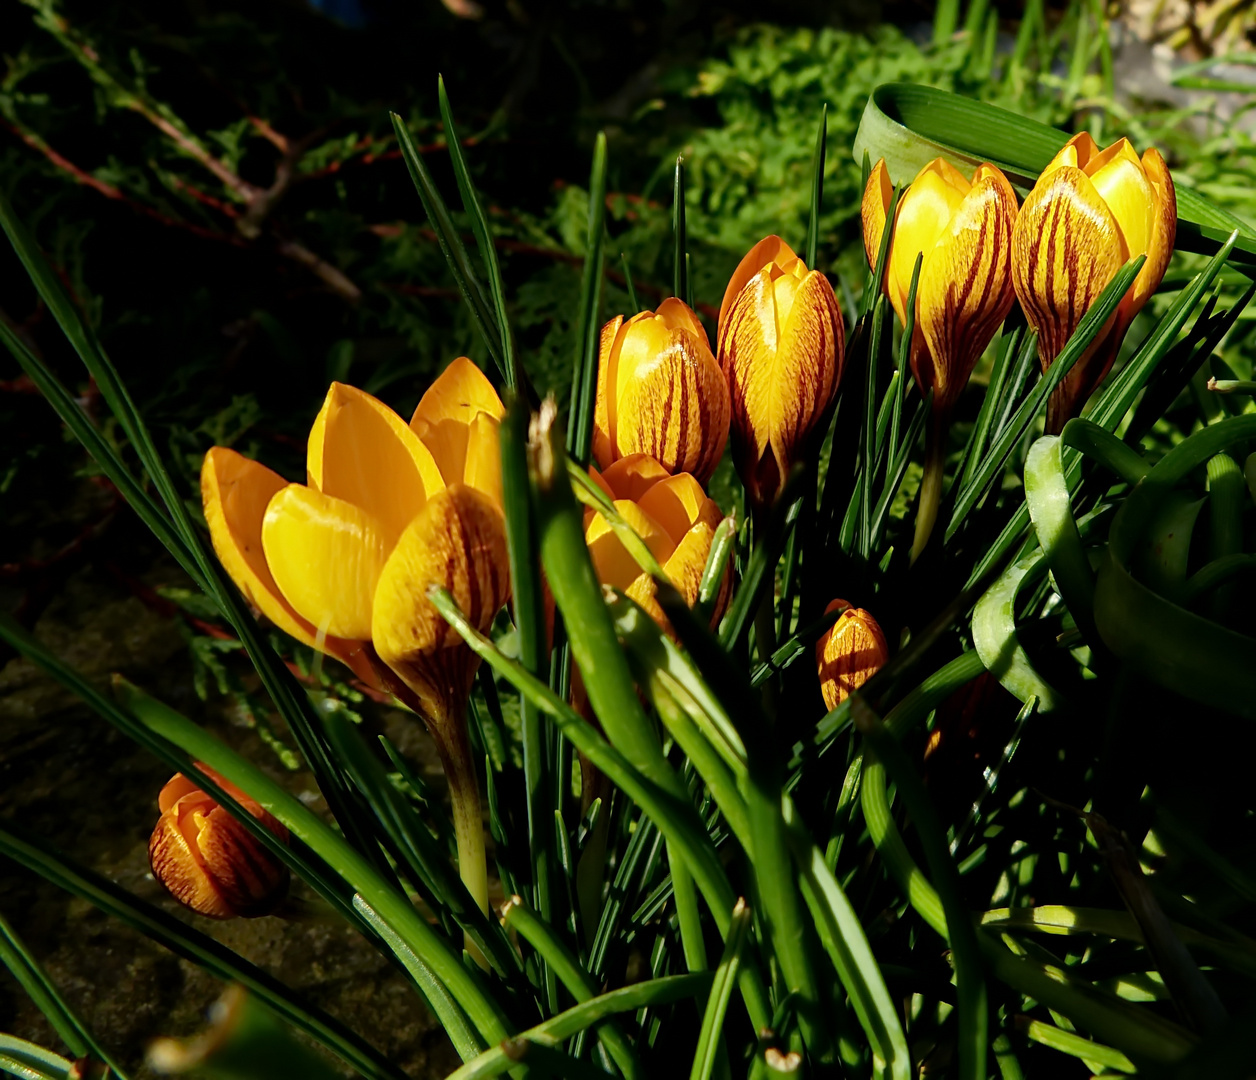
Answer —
(709, 1041)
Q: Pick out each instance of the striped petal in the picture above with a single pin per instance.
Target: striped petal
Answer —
(675, 408)
(965, 289)
(849, 654)
(1066, 247)
(326, 555)
(924, 214)
(362, 452)
(807, 369)
(458, 543)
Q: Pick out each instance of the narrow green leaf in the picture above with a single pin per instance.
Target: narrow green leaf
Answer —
(451, 246)
(709, 1037)
(584, 380)
(27, 1061)
(817, 188)
(680, 256)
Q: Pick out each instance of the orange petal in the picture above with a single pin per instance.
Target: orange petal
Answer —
(457, 542)
(175, 789)
(675, 314)
(632, 476)
(875, 206)
(604, 407)
(685, 566)
(326, 555)
(748, 345)
(807, 369)
(1066, 247)
(178, 865)
(848, 655)
(677, 504)
(247, 876)
(674, 405)
(965, 289)
(460, 392)
(362, 452)
(1077, 153)
(771, 250)
(611, 561)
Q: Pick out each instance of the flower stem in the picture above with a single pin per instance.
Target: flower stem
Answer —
(930, 485)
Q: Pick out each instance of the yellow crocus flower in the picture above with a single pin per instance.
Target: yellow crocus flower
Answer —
(781, 346)
(344, 561)
(962, 230)
(660, 392)
(1090, 212)
(849, 653)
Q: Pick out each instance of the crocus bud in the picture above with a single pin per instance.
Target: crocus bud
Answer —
(660, 392)
(962, 231)
(210, 862)
(781, 346)
(851, 651)
(1090, 212)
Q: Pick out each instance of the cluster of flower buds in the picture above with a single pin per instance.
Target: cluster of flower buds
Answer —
(1089, 213)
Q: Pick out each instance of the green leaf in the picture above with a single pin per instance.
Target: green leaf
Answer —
(584, 378)
(709, 1037)
(28, 1061)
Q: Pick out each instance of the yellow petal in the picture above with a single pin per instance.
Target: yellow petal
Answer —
(1076, 153)
(675, 314)
(608, 356)
(611, 561)
(965, 289)
(632, 476)
(483, 470)
(677, 504)
(363, 452)
(1066, 247)
(768, 252)
(596, 477)
(685, 566)
(924, 213)
(876, 204)
(459, 543)
(326, 555)
(748, 341)
(460, 392)
(674, 405)
(1119, 179)
(807, 369)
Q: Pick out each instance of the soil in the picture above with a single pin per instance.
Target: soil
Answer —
(68, 777)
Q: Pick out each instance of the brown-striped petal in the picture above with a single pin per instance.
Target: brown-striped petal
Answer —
(1066, 247)
(457, 542)
(362, 452)
(674, 406)
(849, 654)
(965, 289)
(326, 555)
(807, 369)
